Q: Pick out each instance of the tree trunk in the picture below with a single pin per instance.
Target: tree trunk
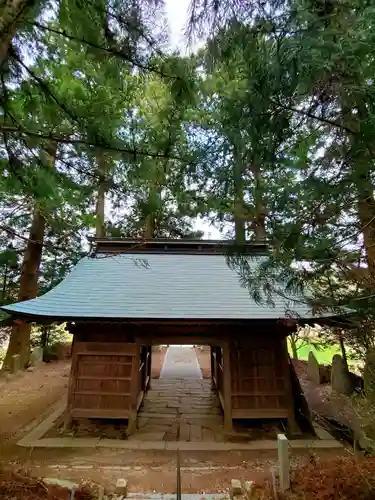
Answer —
(362, 169)
(5, 282)
(259, 225)
(20, 335)
(100, 202)
(149, 231)
(293, 345)
(12, 12)
(239, 209)
(366, 215)
(153, 207)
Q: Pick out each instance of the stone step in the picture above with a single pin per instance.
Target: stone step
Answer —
(147, 436)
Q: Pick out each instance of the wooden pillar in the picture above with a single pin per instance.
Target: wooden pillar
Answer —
(134, 390)
(212, 359)
(71, 387)
(227, 383)
(219, 361)
(149, 361)
(292, 426)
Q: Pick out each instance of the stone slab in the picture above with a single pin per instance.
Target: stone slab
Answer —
(150, 428)
(122, 486)
(263, 445)
(184, 433)
(195, 432)
(180, 361)
(208, 434)
(147, 436)
(315, 444)
(148, 414)
(153, 445)
(63, 443)
(235, 488)
(118, 444)
(63, 483)
(322, 433)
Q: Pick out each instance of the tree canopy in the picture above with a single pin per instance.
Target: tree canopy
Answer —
(265, 132)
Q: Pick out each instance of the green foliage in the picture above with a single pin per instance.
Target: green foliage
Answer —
(49, 336)
(270, 127)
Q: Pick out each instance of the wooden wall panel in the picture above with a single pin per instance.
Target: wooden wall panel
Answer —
(258, 384)
(101, 383)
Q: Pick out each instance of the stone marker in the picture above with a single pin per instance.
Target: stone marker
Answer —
(369, 375)
(235, 488)
(61, 482)
(248, 487)
(15, 364)
(36, 356)
(122, 487)
(100, 493)
(283, 457)
(325, 373)
(340, 378)
(313, 368)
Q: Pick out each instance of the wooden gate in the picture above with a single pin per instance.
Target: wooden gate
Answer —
(259, 383)
(106, 380)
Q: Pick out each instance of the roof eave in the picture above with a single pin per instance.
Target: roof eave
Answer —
(41, 318)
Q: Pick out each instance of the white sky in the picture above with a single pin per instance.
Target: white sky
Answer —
(177, 14)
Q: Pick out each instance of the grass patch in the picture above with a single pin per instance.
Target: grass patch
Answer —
(324, 356)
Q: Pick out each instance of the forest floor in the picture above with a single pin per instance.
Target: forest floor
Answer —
(26, 399)
(323, 403)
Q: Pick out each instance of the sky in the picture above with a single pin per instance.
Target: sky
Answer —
(177, 14)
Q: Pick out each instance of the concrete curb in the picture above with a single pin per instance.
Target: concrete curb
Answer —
(263, 445)
(34, 439)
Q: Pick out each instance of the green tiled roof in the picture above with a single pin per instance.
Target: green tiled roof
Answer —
(155, 285)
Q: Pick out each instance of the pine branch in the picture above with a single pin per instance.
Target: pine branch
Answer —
(107, 50)
(51, 246)
(99, 145)
(321, 119)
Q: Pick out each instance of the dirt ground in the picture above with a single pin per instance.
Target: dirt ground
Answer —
(155, 471)
(157, 360)
(29, 396)
(203, 355)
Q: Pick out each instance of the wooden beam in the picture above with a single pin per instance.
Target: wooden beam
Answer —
(293, 428)
(180, 340)
(260, 413)
(212, 362)
(100, 413)
(71, 387)
(135, 389)
(227, 385)
(149, 365)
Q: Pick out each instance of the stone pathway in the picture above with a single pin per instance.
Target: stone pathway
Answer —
(180, 362)
(180, 410)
